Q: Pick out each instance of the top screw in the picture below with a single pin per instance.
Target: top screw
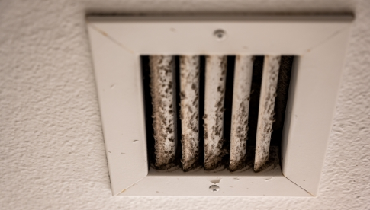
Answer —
(219, 34)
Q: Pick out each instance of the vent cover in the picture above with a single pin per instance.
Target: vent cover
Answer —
(212, 94)
(118, 45)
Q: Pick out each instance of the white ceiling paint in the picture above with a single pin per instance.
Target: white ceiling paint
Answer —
(52, 152)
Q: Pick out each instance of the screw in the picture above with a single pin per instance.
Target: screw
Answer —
(214, 188)
(219, 34)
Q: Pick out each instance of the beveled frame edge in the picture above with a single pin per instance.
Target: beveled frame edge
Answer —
(134, 56)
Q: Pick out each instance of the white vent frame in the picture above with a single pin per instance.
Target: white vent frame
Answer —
(118, 42)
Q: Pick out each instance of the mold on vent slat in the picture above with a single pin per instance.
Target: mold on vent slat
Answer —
(162, 89)
(239, 124)
(215, 79)
(189, 96)
(266, 109)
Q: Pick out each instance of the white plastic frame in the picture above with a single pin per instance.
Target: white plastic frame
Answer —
(117, 44)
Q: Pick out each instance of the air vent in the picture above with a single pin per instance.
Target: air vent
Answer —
(217, 106)
(198, 110)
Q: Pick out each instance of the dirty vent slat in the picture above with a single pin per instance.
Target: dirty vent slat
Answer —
(189, 96)
(215, 80)
(162, 89)
(239, 123)
(266, 109)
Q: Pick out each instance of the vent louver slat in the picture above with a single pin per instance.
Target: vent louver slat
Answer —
(215, 80)
(239, 123)
(189, 96)
(266, 109)
(162, 91)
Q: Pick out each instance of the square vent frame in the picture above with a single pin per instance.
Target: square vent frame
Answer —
(320, 45)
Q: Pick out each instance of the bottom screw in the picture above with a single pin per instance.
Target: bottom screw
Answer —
(214, 188)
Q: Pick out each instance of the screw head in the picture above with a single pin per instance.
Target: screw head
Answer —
(219, 34)
(214, 188)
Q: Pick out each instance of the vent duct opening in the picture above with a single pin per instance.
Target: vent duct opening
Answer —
(215, 111)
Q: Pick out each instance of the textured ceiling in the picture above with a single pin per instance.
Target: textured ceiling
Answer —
(52, 152)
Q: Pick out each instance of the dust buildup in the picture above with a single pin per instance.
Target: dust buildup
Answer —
(271, 164)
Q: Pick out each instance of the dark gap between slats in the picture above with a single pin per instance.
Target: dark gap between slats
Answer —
(281, 101)
(255, 99)
(202, 67)
(228, 105)
(148, 109)
(178, 151)
(254, 107)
